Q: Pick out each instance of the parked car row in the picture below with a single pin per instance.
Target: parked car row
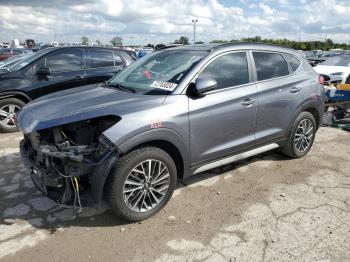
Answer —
(316, 57)
(51, 70)
(8, 52)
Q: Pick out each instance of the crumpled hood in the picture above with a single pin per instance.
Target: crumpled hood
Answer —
(79, 104)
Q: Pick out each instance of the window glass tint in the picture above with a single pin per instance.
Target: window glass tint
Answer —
(270, 65)
(228, 70)
(293, 61)
(64, 60)
(118, 60)
(100, 58)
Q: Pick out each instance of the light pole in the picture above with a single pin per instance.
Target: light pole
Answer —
(194, 21)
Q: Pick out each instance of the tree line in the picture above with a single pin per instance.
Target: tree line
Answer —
(299, 45)
(115, 41)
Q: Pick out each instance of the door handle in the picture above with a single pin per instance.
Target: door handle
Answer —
(248, 102)
(295, 90)
(78, 77)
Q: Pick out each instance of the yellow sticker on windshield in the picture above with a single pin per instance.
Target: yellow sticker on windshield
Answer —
(164, 85)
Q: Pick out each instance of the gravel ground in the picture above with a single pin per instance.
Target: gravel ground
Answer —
(268, 208)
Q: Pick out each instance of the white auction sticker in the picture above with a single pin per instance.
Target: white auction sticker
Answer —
(164, 85)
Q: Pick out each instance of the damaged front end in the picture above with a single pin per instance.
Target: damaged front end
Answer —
(67, 160)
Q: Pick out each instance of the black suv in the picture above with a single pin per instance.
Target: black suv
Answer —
(52, 70)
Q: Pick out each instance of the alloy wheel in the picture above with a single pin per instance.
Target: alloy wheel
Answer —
(8, 114)
(304, 135)
(146, 185)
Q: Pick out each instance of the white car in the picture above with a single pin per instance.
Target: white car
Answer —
(335, 70)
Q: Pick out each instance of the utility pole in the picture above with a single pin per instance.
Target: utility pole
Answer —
(194, 21)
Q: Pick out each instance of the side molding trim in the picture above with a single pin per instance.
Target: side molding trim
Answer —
(237, 157)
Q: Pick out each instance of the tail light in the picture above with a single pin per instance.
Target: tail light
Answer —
(321, 79)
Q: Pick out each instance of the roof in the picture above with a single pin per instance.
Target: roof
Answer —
(237, 45)
(85, 46)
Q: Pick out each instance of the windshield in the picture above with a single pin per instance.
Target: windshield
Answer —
(157, 73)
(26, 61)
(337, 61)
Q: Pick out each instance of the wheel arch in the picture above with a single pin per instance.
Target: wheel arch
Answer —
(165, 139)
(18, 95)
(168, 147)
(315, 107)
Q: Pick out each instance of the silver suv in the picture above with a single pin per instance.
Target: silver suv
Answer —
(172, 114)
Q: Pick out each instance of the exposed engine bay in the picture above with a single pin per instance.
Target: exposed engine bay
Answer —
(64, 157)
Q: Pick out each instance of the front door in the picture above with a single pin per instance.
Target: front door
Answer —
(66, 71)
(223, 121)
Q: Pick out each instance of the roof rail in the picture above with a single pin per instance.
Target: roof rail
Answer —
(247, 43)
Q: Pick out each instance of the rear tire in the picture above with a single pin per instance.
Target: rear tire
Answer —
(125, 186)
(8, 108)
(301, 136)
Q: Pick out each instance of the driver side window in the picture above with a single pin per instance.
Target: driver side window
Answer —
(228, 70)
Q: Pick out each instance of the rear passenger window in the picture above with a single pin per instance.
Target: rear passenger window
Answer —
(293, 62)
(100, 59)
(228, 70)
(270, 65)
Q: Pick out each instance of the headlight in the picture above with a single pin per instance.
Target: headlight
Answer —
(337, 74)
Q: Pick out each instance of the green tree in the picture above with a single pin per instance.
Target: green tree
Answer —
(98, 42)
(183, 40)
(117, 41)
(84, 40)
(218, 41)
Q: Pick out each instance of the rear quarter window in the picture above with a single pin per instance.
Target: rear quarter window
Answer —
(118, 61)
(293, 62)
(270, 65)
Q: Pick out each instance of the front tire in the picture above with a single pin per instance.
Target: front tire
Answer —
(141, 183)
(301, 136)
(9, 107)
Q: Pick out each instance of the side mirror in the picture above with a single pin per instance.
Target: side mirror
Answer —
(44, 71)
(204, 85)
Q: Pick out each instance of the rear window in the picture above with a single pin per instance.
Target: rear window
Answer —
(293, 62)
(270, 65)
(100, 59)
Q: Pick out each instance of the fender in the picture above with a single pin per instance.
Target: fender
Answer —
(14, 93)
(164, 134)
(313, 104)
(101, 172)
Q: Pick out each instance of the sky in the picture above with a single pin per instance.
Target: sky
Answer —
(163, 21)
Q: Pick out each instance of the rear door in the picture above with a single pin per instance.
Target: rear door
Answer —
(223, 121)
(280, 92)
(66, 71)
(102, 65)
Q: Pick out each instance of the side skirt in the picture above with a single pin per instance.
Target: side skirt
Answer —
(237, 157)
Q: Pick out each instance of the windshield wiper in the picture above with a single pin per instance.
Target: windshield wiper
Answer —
(121, 87)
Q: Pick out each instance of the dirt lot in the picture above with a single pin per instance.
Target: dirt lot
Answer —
(268, 208)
